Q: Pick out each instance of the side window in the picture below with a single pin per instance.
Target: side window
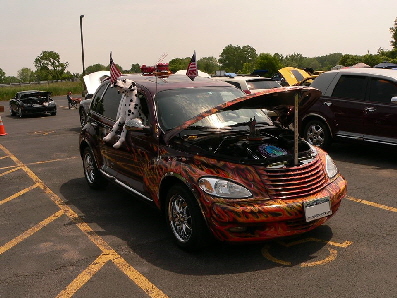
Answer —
(382, 90)
(111, 101)
(350, 87)
(97, 104)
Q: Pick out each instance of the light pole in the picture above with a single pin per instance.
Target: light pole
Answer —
(82, 46)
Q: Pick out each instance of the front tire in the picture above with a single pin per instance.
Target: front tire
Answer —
(91, 172)
(20, 113)
(185, 220)
(317, 133)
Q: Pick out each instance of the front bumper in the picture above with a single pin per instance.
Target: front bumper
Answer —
(257, 220)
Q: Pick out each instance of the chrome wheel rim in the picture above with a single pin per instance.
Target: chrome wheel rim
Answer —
(315, 135)
(89, 168)
(180, 218)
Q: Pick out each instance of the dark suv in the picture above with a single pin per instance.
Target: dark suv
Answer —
(212, 161)
(357, 104)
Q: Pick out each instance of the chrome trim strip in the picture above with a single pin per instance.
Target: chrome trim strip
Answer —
(125, 186)
(367, 138)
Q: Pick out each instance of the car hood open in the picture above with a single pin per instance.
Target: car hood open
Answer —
(270, 99)
(93, 80)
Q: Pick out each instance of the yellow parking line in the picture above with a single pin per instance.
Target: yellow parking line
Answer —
(130, 271)
(30, 232)
(18, 194)
(84, 276)
(10, 171)
(373, 204)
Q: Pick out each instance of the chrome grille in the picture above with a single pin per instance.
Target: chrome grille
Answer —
(294, 182)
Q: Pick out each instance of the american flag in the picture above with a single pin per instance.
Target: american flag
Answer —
(192, 71)
(114, 71)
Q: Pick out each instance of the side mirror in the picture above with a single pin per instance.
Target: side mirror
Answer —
(136, 125)
(394, 99)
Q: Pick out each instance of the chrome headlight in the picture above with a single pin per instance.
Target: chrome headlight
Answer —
(223, 188)
(330, 166)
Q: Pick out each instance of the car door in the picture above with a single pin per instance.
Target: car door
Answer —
(133, 160)
(102, 117)
(348, 104)
(380, 114)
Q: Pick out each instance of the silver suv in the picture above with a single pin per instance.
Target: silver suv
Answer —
(249, 84)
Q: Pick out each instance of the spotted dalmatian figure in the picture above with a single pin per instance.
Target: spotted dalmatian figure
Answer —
(129, 108)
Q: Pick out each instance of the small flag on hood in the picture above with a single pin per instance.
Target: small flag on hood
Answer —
(114, 71)
(192, 71)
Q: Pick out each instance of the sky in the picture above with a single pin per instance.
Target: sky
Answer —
(142, 31)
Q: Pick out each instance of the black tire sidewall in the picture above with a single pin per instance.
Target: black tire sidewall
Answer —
(327, 134)
(200, 233)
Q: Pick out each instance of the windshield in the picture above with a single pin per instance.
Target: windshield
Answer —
(174, 107)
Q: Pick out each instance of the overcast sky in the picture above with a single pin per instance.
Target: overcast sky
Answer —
(141, 31)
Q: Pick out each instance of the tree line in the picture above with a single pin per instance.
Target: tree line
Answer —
(234, 58)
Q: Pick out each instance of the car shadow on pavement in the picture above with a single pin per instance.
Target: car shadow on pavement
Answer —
(376, 155)
(115, 214)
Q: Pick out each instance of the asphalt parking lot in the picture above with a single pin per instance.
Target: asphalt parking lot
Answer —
(61, 239)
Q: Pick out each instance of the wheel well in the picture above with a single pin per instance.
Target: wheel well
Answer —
(311, 118)
(165, 186)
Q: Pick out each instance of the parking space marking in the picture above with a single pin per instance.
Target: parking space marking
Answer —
(331, 257)
(14, 168)
(373, 204)
(10, 171)
(108, 253)
(30, 232)
(18, 194)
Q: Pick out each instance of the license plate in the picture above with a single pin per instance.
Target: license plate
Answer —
(317, 208)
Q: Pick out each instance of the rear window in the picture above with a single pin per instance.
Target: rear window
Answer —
(262, 84)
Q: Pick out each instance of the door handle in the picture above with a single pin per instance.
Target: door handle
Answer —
(369, 109)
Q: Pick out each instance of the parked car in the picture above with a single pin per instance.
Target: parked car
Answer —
(291, 76)
(32, 102)
(91, 81)
(212, 161)
(249, 84)
(357, 104)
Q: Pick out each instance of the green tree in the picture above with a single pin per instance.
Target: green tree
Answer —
(208, 64)
(349, 60)
(49, 66)
(135, 68)
(269, 62)
(2, 75)
(294, 60)
(25, 75)
(178, 64)
(233, 58)
(393, 31)
(95, 68)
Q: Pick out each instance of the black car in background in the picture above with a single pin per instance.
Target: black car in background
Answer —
(32, 102)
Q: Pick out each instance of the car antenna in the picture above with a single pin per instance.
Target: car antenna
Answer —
(162, 57)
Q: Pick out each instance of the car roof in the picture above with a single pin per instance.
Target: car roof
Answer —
(156, 84)
(368, 71)
(245, 78)
(32, 91)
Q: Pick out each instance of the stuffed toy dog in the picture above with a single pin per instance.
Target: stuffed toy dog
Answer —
(129, 108)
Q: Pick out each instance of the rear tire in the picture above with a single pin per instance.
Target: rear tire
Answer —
(316, 132)
(91, 172)
(185, 220)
